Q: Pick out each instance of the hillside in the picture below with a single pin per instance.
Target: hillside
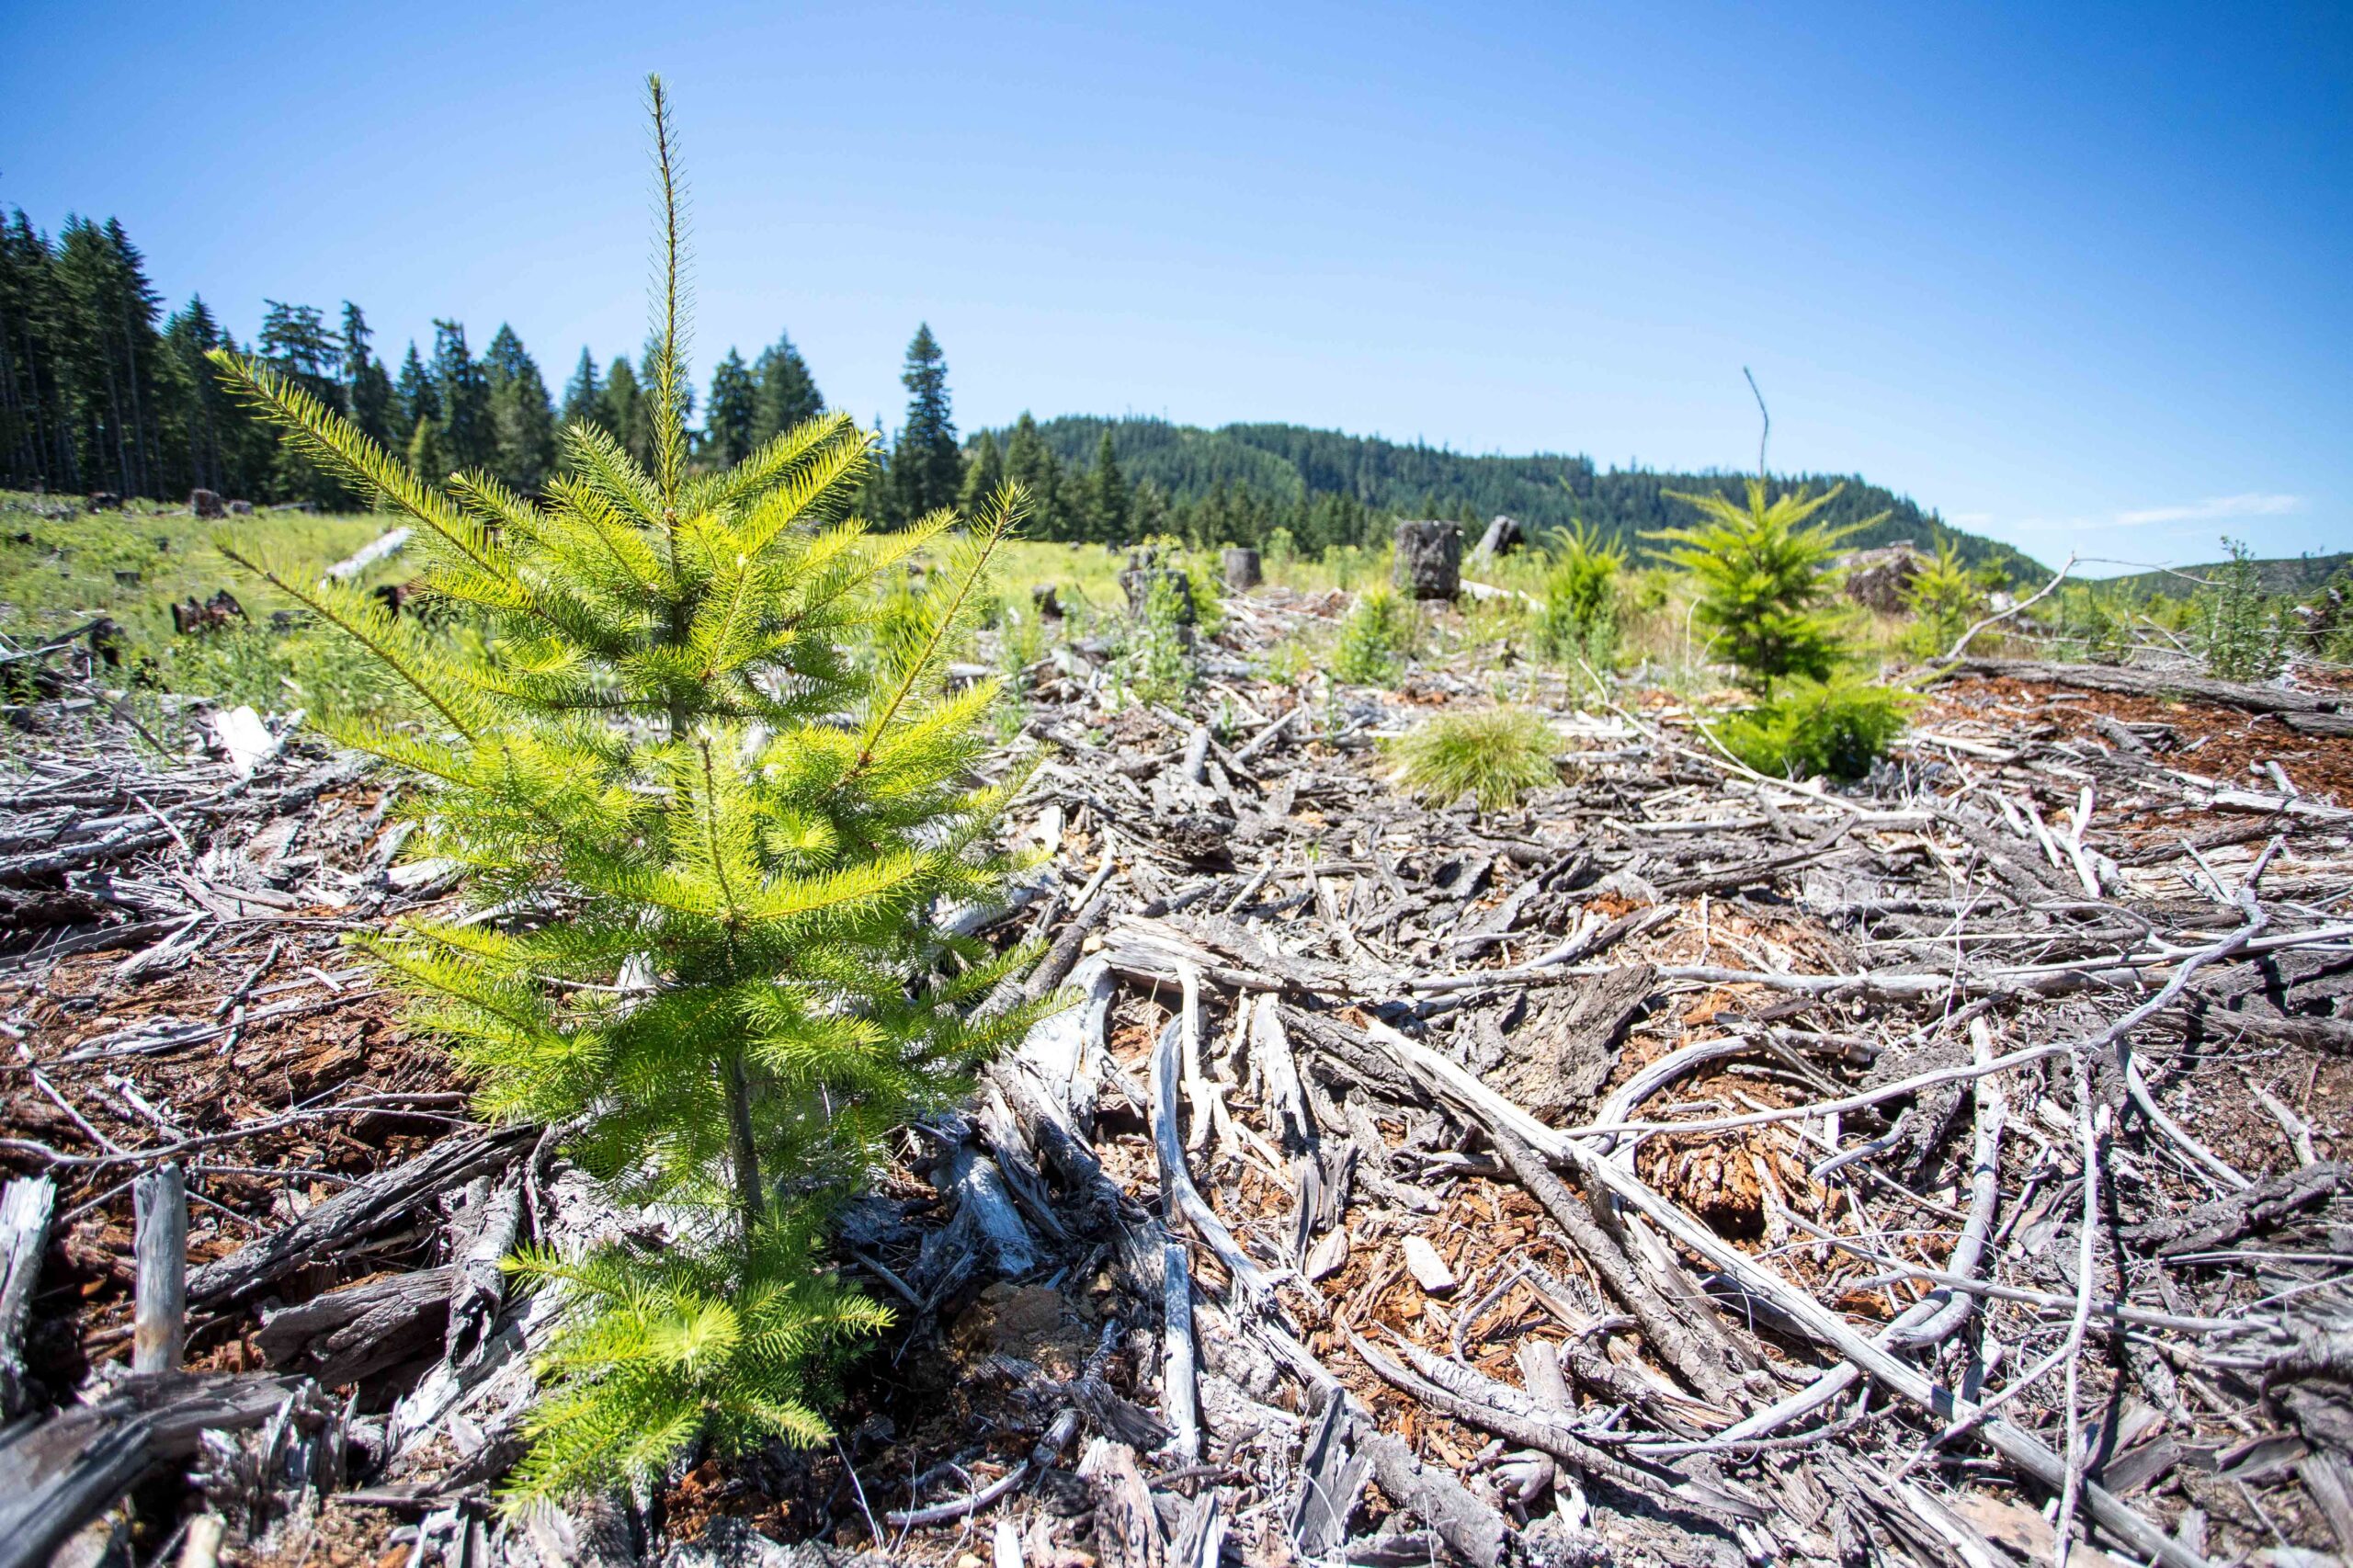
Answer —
(1288, 463)
(2280, 575)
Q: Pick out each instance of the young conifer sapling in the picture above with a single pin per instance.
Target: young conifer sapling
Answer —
(713, 839)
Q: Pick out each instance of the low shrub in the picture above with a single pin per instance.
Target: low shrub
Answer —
(1496, 755)
(1374, 639)
(2237, 628)
(1946, 599)
(1579, 622)
(1838, 727)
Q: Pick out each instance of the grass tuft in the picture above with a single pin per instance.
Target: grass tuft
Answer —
(1495, 755)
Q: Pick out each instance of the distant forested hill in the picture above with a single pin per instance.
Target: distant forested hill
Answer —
(1284, 468)
(2280, 575)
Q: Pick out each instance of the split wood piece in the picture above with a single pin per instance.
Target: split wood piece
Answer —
(25, 1213)
(2017, 1445)
(357, 1332)
(478, 1287)
(1178, 1398)
(1179, 1198)
(159, 1322)
(1517, 1416)
(1429, 1269)
(355, 1213)
(1127, 1526)
(1001, 1132)
(1689, 1350)
(1332, 1474)
(987, 1227)
(1200, 1532)
(57, 1476)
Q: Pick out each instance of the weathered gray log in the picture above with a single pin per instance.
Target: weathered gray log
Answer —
(159, 1326)
(1429, 560)
(2221, 1220)
(55, 1476)
(24, 1236)
(356, 1212)
(1241, 566)
(355, 1333)
(383, 546)
(1476, 1532)
(1180, 1400)
(2153, 683)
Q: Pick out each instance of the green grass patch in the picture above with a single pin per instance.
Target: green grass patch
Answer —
(1496, 755)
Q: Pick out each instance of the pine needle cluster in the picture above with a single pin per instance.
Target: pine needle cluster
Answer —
(707, 809)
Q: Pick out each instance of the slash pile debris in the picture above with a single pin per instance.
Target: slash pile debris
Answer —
(1685, 1167)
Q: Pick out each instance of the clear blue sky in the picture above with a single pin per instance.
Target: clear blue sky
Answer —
(2074, 275)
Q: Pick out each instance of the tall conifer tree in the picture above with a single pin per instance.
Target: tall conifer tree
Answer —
(367, 387)
(462, 388)
(1031, 464)
(522, 420)
(984, 475)
(585, 393)
(1107, 495)
(413, 397)
(621, 410)
(729, 418)
(787, 393)
(926, 464)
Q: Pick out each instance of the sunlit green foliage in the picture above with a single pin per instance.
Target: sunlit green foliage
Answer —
(1807, 727)
(1946, 599)
(1579, 620)
(1761, 575)
(2236, 627)
(716, 833)
(1373, 640)
(1495, 755)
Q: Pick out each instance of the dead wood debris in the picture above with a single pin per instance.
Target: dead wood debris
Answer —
(1685, 1167)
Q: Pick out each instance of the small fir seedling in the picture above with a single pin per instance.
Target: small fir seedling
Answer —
(1761, 574)
(1373, 640)
(1497, 756)
(713, 830)
(2237, 626)
(1945, 598)
(1578, 623)
(1808, 727)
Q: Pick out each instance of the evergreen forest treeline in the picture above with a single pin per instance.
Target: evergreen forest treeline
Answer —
(102, 391)
(1239, 483)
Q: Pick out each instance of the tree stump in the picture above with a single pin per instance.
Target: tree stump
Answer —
(1139, 580)
(1429, 560)
(207, 503)
(1503, 536)
(1242, 573)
